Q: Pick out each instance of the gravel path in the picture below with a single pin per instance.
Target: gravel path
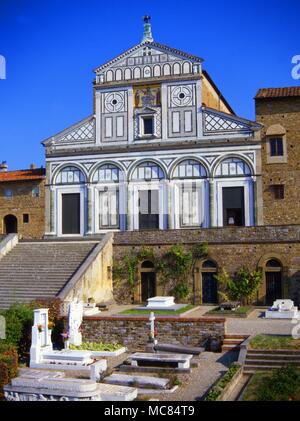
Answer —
(195, 385)
(255, 324)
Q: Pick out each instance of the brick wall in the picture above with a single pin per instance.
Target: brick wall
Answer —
(229, 248)
(133, 332)
(22, 202)
(286, 112)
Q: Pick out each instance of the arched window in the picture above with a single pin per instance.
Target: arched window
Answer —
(177, 69)
(273, 263)
(109, 76)
(108, 173)
(232, 167)
(167, 70)
(147, 265)
(186, 68)
(209, 282)
(148, 171)
(209, 264)
(137, 73)
(157, 71)
(70, 175)
(109, 213)
(127, 74)
(119, 74)
(189, 168)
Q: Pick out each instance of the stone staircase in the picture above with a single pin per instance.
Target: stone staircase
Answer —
(264, 360)
(233, 342)
(35, 269)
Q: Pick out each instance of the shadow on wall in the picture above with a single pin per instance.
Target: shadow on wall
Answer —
(293, 288)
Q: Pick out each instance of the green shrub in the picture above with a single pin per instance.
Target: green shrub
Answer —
(181, 291)
(19, 320)
(216, 390)
(282, 385)
(8, 365)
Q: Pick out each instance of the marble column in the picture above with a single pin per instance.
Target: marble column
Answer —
(52, 210)
(89, 210)
(211, 203)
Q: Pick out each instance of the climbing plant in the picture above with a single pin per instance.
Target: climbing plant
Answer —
(175, 269)
(243, 286)
(127, 268)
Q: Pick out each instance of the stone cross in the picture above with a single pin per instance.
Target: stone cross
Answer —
(75, 321)
(40, 336)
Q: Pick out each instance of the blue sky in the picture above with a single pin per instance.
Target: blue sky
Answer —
(52, 46)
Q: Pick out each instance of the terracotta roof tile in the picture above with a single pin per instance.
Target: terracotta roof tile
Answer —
(23, 175)
(278, 92)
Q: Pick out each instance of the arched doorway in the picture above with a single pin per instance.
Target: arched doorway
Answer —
(273, 276)
(10, 224)
(209, 282)
(148, 281)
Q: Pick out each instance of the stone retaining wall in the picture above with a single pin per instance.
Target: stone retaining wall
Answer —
(230, 248)
(133, 332)
(225, 235)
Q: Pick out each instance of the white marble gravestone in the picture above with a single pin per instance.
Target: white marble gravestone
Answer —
(40, 336)
(160, 302)
(282, 309)
(74, 322)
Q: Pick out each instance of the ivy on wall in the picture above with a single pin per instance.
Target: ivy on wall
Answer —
(175, 267)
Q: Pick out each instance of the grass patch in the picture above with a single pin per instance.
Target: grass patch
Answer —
(135, 312)
(274, 342)
(242, 311)
(282, 384)
(93, 346)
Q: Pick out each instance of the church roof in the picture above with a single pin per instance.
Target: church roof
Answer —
(278, 92)
(157, 45)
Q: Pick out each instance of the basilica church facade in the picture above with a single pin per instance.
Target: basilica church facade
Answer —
(162, 150)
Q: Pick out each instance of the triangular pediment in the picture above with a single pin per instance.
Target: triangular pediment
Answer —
(216, 122)
(148, 53)
(81, 132)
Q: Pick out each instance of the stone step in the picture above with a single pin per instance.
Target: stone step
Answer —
(252, 369)
(39, 269)
(229, 347)
(251, 362)
(231, 342)
(242, 337)
(274, 351)
(137, 381)
(270, 357)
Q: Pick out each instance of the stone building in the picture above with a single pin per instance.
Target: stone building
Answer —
(278, 110)
(22, 202)
(163, 159)
(162, 150)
